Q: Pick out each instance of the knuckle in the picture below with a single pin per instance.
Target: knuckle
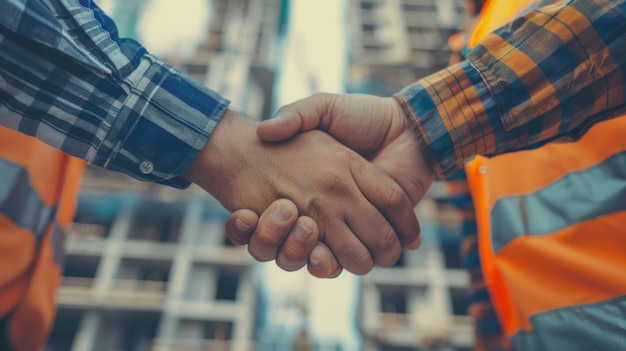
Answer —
(395, 196)
(332, 181)
(268, 239)
(363, 262)
(388, 240)
(357, 261)
(388, 248)
(293, 252)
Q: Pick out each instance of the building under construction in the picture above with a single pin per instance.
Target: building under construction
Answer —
(150, 268)
(395, 43)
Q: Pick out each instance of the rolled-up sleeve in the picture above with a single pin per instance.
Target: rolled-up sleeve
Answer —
(69, 80)
(550, 74)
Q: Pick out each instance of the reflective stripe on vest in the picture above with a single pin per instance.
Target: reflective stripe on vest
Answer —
(20, 202)
(594, 326)
(552, 239)
(554, 208)
(57, 241)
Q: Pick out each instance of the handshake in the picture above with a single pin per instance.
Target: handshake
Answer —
(331, 182)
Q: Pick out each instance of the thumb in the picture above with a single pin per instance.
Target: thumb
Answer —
(281, 127)
(300, 116)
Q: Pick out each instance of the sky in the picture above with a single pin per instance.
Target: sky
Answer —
(166, 28)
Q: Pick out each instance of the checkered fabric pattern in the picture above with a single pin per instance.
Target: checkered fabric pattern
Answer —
(68, 79)
(550, 74)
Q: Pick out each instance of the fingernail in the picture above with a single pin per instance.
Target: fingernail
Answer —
(282, 214)
(314, 256)
(241, 225)
(301, 232)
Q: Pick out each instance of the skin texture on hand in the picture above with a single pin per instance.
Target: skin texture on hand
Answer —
(360, 212)
(294, 248)
(374, 127)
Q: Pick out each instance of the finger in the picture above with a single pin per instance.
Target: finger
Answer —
(350, 252)
(273, 227)
(296, 248)
(240, 225)
(322, 262)
(302, 115)
(375, 232)
(415, 244)
(389, 198)
(282, 127)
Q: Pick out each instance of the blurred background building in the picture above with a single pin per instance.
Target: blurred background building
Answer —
(393, 43)
(149, 267)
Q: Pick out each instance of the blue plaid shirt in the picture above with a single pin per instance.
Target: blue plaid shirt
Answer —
(68, 79)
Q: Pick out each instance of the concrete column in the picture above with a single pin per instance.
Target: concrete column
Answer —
(435, 307)
(87, 332)
(111, 256)
(244, 323)
(180, 270)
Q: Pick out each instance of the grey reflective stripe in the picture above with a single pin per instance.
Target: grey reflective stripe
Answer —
(579, 196)
(591, 327)
(57, 241)
(20, 202)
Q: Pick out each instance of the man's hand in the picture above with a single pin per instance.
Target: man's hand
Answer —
(294, 247)
(360, 212)
(374, 127)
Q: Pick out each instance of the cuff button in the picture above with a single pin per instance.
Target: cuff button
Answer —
(146, 167)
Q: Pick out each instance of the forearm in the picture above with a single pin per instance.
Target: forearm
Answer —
(550, 74)
(66, 78)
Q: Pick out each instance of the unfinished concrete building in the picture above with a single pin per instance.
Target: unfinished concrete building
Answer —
(394, 43)
(149, 267)
(421, 303)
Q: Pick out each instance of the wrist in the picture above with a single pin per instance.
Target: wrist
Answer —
(412, 120)
(215, 165)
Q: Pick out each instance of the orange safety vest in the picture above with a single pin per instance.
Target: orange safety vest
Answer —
(551, 233)
(495, 14)
(38, 187)
(552, 240)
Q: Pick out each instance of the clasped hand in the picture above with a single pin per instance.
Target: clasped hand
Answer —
(340, 195)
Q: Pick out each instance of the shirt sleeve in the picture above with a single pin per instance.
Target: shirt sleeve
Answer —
(550, 74)
(68, 79)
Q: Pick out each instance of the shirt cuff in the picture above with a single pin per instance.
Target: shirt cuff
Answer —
(454, 116)
(162, 125)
